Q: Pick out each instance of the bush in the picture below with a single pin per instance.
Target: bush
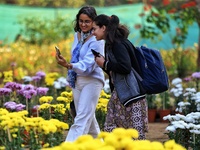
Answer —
(45, 31)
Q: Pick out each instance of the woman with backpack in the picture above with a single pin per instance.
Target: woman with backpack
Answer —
(119, 61)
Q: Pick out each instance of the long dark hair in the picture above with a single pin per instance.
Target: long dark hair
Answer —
(89, 11)
(114, 30)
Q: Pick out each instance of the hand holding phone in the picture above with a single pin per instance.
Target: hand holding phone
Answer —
(57, 51)
(96, 54)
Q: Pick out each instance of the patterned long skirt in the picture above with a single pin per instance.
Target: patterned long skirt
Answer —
(134, 116)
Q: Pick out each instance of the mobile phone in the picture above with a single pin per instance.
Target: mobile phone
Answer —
(96, 54)
(57, 50)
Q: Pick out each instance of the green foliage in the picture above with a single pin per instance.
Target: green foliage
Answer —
(158, 24)
(45, 31)
(151, 101)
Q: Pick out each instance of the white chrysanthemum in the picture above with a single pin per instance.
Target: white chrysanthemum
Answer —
(106, 86)
(60, 83)
(27, 79)
(176, 81)
(190, 126)
(179, 87)
(168, 117)
(57, 85)
(195, 131)
(63, 82)
(179, 124)
(182, 104)
(171, 128)
(193, 90)
(198, 106)
(189, 119)
(180, 117)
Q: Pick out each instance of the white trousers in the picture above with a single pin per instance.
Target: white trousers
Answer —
(86, 94)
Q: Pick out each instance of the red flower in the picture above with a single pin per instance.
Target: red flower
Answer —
(189, 4)
(173, 10)
(166, 2)
(155, 14)
(147, 7)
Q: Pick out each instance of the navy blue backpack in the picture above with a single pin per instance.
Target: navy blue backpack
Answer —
(153, 76)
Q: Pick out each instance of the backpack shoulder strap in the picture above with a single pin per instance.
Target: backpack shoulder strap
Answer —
(131, 50)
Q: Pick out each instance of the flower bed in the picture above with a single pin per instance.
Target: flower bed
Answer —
(118, 139)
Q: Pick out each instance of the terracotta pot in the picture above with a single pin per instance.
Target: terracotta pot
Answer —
(163, 113)
(152, 115)
(34, 112)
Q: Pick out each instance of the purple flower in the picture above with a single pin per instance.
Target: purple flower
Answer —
(10, 105)
(196, 75)
(18, 86)
(42, 90)
(36, 78)
(5, 91)
(19, 107)
(20, 92)
(187, 79)
(29, 87)
(14, 106)
(29, 93)
(36, 107)
(13, 86)
(40, 74)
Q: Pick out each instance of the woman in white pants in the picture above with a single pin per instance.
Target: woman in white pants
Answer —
(85, 77)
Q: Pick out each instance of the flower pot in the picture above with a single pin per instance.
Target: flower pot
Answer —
(152, 115)
(34, 112)
(163, 113)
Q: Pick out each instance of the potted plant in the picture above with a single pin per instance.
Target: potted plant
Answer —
(165, 104)
(151, 107)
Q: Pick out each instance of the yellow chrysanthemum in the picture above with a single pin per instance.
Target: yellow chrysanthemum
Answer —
(112, 140)
(49, 81)
(171, 145)
(157, 145)
(44, 106)
(63, 99)
(69, 95)
(132, 133)
(14, 135)
(103, 134)
(3, 111)
(46, 145)
(68, 146)
(45, 99)
(83, 138)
